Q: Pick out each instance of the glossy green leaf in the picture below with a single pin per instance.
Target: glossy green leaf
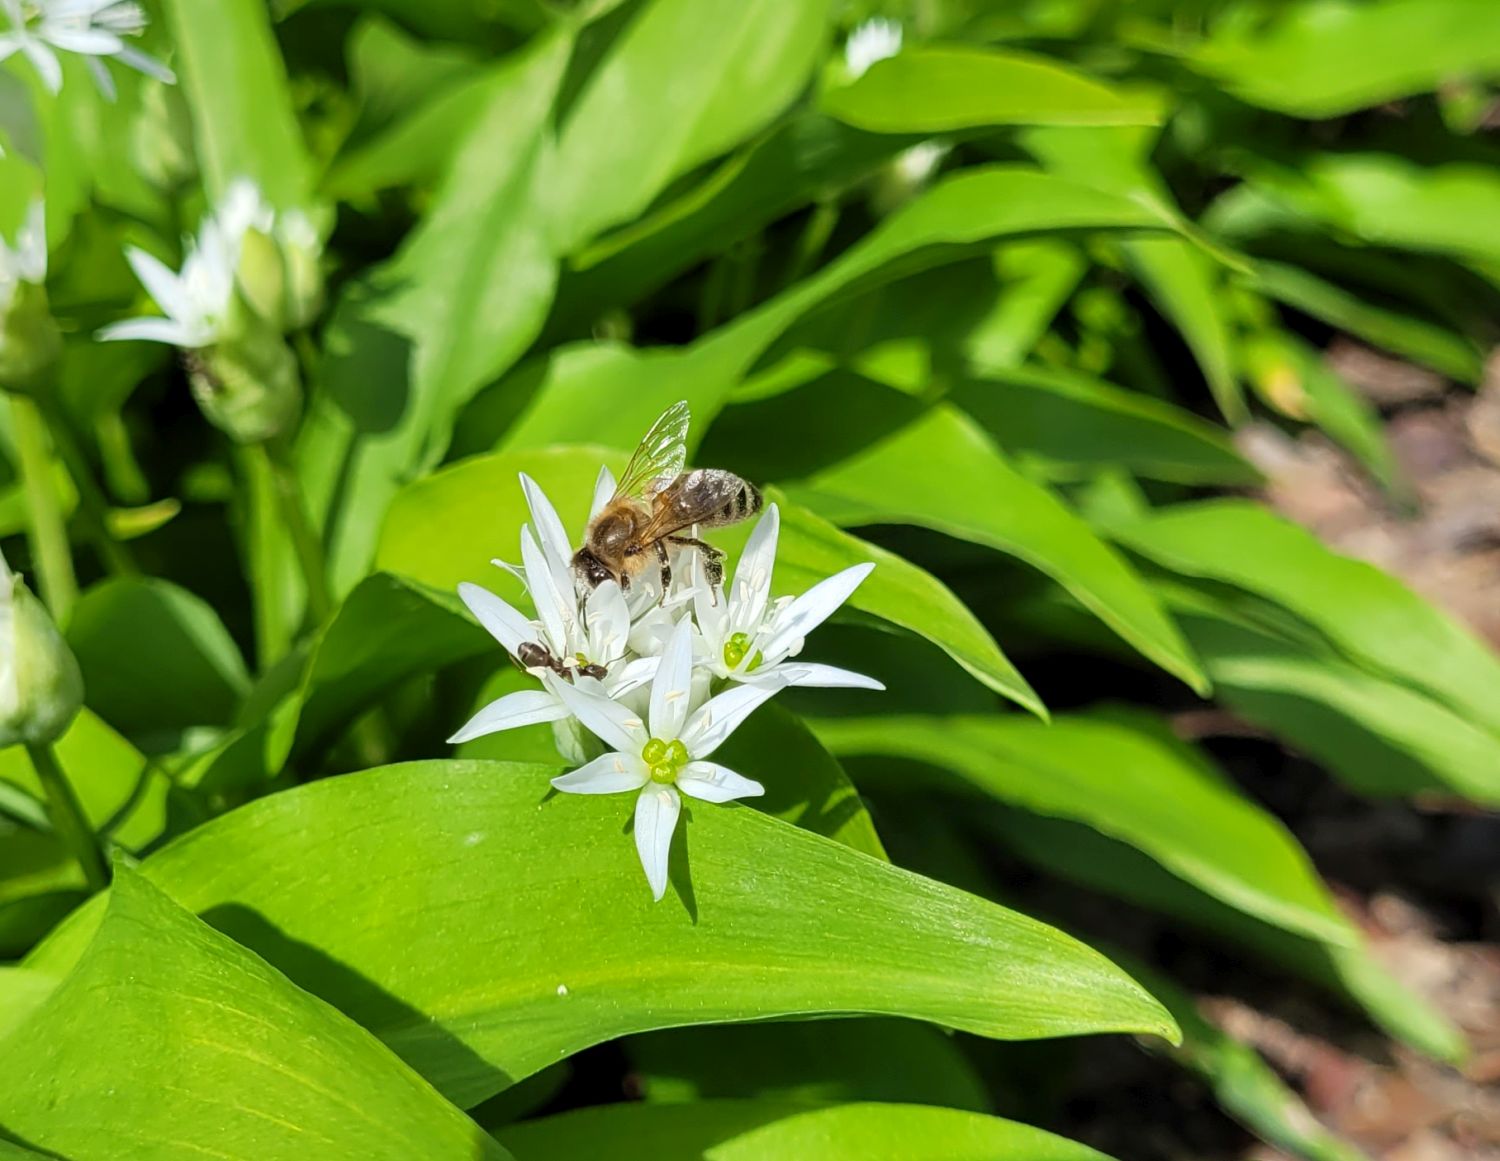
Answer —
(1083, 855)
(236, 86)
(387, 629)
(763, 917)
(1403, 334)
(168, 1040)
(978, 496)
(1367, 614)
(952, 220)
(1066, 426)
(1380, 736)
(1246, 1087)
(808, 1061)
(462, 299)
(1125, 775)
(1389, 50)
(447, 528)
(940, 88)
(773, 1131)
(627, 135)
(155, 658)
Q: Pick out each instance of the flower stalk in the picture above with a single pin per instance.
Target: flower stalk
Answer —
(69, 822)
(46, 529)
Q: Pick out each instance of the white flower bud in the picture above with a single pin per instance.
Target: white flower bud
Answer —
(41, 688)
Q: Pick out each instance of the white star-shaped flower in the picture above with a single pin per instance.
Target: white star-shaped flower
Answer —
(872, 40)
(90, 28)
(196, 301)
(665, 756)
(748, 638)
(581, 644)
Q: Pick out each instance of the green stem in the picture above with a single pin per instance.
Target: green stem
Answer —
(47, 531)
(118, 559)
(68, 820)
(812, 241)
(306, 542)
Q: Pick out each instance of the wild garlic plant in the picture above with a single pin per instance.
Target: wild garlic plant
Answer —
(661, 679)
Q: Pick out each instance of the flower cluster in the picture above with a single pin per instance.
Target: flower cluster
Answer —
(93, 29)
(661, 678)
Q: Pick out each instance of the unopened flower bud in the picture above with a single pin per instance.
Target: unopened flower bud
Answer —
(41, 688)
(247, 384)
(30, 343)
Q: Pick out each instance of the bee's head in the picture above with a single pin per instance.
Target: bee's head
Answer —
(589, 569)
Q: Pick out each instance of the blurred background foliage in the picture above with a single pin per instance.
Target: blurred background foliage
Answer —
(1033, 313)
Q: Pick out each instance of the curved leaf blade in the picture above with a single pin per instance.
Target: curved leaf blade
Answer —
(446, 942)
(170, 1036)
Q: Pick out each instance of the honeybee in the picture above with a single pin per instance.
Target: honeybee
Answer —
(654, 501)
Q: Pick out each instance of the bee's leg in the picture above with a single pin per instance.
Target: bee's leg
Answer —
(713, 560)
(666, 570)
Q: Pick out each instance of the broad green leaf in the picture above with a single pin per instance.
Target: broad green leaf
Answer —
(462, 299)
(1181, 277)
(416, 101)
(821, 798)
(958, 216)
(1082, 855)
(39, 884)
(1066, 426)
(1293, 378)
(1380, 736)
(763, 918)
(155, 658)
(808, 1061)
(21, 991)
(942, 472)
(798, 161)
(1246, 1087)
(387, 629)
(447, 528)
(112, 780)
(236, 86)
(1403, 334)
(1367, 614)
(1126, 776)
(774, 1131)
(168, 1040)
(939, 88)
(1389, 50)
(627, 134)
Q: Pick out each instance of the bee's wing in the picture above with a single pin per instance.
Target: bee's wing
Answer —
(659, 458)
(695, 497)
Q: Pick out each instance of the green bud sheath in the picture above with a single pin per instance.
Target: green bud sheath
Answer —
(41, 688)
(247, 384)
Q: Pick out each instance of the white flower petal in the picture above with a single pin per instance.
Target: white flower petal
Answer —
(153, 330)
(102, 80)
(606, 774)
(811, 609)
(672, 690)
(656, 812)
(606, 622)
(147, 64)
(526, 707)
(556, 610)
(719, 717)
(88, 41)
(45, 61)
(504, 623)
(714, 616)
(161, 282)
(714, 783)
(630, 676)
(546, 521)
(751, 590)
(810, 673)
(612, 722)
(31, 244)
(604, 491)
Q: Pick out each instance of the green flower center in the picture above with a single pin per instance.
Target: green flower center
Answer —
(736, 649)
(664, 759)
